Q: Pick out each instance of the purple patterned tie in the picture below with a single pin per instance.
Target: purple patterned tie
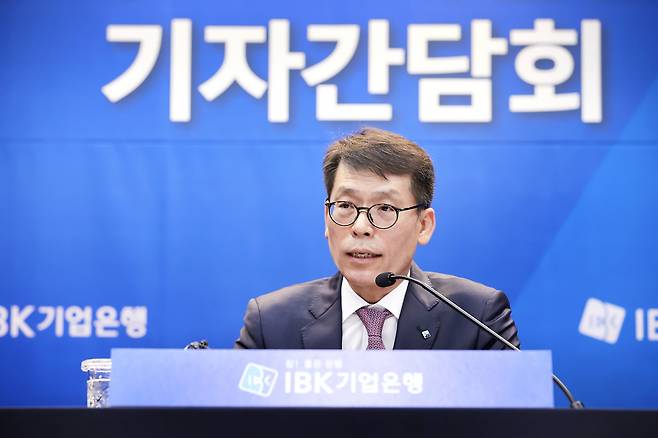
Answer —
(374, 319)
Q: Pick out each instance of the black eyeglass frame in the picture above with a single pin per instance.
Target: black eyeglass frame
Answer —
(367, 210)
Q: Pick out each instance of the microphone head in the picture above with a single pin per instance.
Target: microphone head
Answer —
(385, 279)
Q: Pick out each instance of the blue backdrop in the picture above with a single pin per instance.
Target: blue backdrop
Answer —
(123, 216)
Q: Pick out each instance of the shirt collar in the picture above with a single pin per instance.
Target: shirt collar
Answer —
(392, 301)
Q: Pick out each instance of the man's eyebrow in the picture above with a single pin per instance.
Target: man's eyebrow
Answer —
(346, 191)
(386, 192)
(377, 193)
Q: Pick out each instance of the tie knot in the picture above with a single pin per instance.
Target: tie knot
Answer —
(373, 319)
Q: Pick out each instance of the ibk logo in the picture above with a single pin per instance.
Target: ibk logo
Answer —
(258, 379)
(602, 320)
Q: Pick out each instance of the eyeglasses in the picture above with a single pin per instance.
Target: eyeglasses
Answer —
(382, 216)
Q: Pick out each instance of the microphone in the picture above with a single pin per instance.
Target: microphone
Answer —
(386, 279)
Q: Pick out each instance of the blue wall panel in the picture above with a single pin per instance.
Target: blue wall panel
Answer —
(113, 204)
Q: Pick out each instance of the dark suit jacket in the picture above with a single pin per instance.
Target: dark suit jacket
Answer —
(308, 316)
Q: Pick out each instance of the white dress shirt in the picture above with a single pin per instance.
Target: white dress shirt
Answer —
(355, 336)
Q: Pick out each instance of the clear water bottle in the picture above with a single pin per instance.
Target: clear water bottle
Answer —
(98, 381)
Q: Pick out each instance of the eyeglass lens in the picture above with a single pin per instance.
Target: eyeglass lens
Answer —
(380, 215)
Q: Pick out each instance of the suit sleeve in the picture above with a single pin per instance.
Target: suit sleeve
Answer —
(251, 333)
(497, 315)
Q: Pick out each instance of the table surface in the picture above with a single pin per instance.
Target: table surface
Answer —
(217, 422)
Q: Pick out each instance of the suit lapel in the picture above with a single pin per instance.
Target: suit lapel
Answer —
(325, 330)
(418, 316)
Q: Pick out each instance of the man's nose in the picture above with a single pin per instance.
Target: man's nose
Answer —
(362, 226)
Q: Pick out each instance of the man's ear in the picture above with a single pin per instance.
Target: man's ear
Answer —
(326, 225)
(427, 225)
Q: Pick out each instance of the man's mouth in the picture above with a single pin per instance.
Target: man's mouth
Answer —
(363, 255)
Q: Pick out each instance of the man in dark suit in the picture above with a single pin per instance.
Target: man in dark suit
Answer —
(378, 209)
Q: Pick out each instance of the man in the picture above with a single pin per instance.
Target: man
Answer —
(379, 191)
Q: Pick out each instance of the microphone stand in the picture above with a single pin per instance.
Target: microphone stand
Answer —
(391, 278)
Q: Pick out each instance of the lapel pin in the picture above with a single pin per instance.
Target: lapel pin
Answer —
(426, 334)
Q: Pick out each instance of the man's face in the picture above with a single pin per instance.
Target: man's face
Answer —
(361, 251)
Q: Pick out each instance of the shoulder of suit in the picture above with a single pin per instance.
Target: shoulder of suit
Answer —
(454, 286)
(296, 294)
